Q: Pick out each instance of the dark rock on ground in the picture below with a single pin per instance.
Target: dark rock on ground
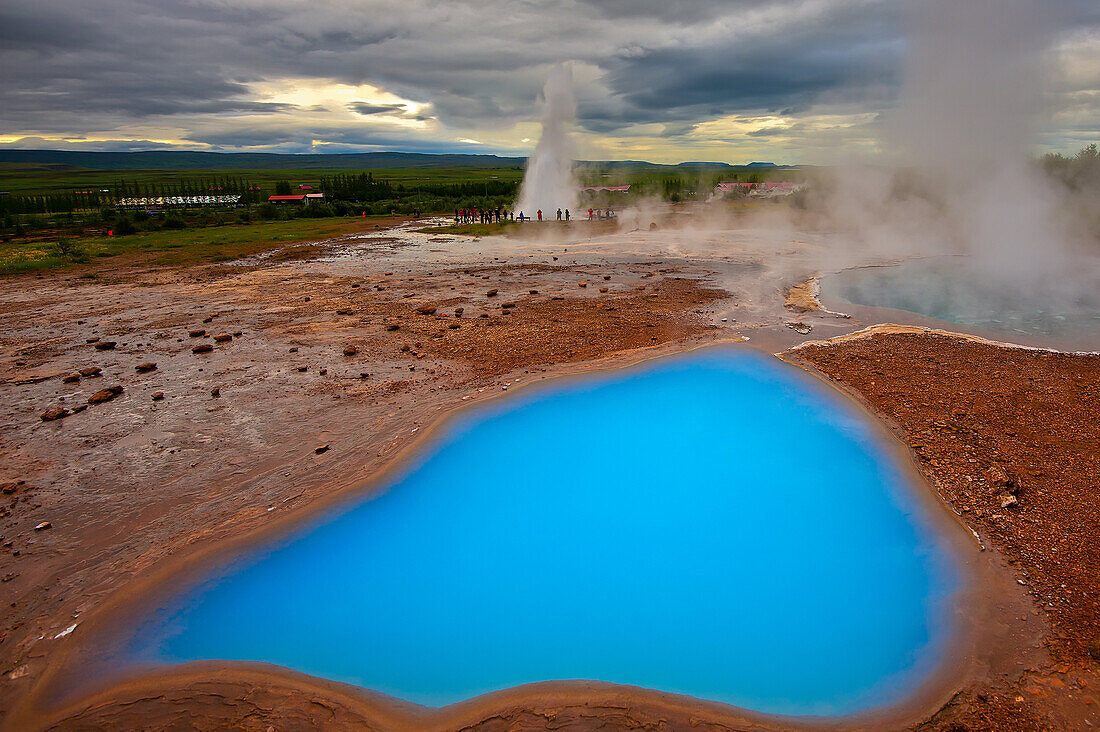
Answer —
(143, 368)
(223, 337)
(55, 413)
(204, 348)
(350, 350)
(105, 395)
(196, 333)
(104, 345)
(70, 378)
(90, 371)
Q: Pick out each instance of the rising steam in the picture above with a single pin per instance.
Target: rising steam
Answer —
(548, 183)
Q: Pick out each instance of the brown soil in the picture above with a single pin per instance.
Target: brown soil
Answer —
(1010, 438)
(803, 297)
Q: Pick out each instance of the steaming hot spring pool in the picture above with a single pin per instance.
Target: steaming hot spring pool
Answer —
(956, 291)
(716, 524)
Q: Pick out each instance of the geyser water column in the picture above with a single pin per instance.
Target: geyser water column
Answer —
(548, 183)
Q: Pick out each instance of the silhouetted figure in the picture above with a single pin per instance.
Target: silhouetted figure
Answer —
(540, 214)
(559, 214)
(566, 214)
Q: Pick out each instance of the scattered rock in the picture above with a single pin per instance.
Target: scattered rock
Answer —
(344, 312)
(105, 395)
(603, 289)
(158, 396)
(196, 333)
(426, 309)
(799, 327)
(607, 277)
(491, 293)
(582, 284)
(459, 311)
(454, 326)
(300, 369)
(350, 350)
(70, 378)
(90, 371)
(104, 345)
(320, 449)
(56, 413)
(533, 292)
(507, 305)
(204, 348)
(238, 333)
(79, 408)
(223, 338)
(43, 526)
(391, 327)
(322, 372)
(207, 320)
(653, 226)
(1094, 646)
(93, 340)
(9, 488)
(364, 375)
(143, 368)
(293, 350)
(1007, 499)
(216, 392)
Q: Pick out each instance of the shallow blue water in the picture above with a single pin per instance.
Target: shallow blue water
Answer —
(957, 290)
(715, 524)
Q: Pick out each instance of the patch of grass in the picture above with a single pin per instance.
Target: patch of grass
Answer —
(171, 247)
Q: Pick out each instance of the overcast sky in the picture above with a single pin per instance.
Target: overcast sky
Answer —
(659, 80)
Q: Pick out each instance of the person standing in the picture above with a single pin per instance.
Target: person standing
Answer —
(540, 214)
(559, 214)
(566, 214)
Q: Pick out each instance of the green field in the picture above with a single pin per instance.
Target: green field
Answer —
(181, 247)
(32, 180)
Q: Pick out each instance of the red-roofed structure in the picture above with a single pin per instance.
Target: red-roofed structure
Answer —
(300, 198)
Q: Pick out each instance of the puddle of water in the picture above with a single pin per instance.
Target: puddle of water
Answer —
(715, 524)
(955, 292)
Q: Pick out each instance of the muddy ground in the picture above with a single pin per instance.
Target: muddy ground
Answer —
(323, 364)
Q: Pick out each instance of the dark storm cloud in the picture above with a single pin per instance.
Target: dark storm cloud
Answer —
(853, 48)
(366, 108)
(71, 67)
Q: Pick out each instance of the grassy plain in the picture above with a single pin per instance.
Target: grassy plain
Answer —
(179, 247)
(28, 180)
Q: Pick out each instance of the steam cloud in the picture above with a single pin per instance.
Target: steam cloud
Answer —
(548, 183)
(958, 178)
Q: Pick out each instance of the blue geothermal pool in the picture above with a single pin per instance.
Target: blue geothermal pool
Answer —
(716, 524)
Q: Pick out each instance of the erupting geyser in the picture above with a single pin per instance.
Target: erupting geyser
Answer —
(548, 183)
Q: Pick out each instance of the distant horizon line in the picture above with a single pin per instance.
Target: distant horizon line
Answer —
(8, 153)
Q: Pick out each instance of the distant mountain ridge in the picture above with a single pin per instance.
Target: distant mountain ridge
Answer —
(184, 160)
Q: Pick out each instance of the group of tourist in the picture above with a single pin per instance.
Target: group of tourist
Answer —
(497, 215)
(482, 215)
